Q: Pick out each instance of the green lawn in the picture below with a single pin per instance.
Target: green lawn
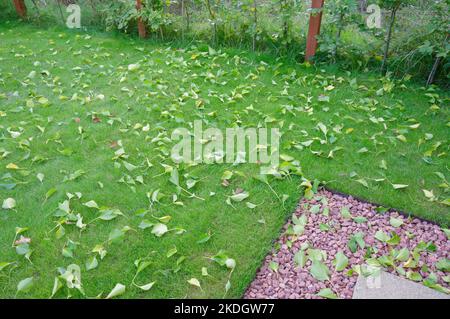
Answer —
(67, 99)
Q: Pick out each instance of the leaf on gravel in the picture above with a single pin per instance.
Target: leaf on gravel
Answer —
(327, 293)
(345, 213)
(273, 266)
(341, 261)
(382, 236)
(319, 271)
(300, 259)
(396, 222)
(443, 265)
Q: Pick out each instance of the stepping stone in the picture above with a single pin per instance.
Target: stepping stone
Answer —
(389, 286)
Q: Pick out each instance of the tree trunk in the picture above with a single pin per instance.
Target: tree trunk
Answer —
(255, 25)
(283, 15)
(388, 41)
(188, 17)
(435, 67)
(315, 20)
(182, 15)
(61, 13)
(141, 26)
(213, 20)
(433, 71)
(338, 34)
(36, 6)
(21, 8)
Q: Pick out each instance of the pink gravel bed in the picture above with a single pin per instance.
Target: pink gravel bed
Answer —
(290, 281)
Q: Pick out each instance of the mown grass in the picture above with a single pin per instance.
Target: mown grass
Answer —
(89, 66)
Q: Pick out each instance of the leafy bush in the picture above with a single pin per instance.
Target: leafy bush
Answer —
(418, 39)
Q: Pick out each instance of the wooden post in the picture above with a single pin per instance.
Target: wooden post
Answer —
(21, 8)
(141, 25)
(314, 30)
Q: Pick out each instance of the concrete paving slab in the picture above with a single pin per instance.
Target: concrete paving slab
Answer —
(389, 286)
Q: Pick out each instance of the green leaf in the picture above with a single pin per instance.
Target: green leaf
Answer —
(118, 290)
(360, 219)
(190, 183)
(146, 287)
(382, 236)
(116, 235)
(363, 182)
(22, 249)
(57, 285)
(314, 209)
(227, 175)
(159, 229)
(443, 264)
(130, 167)
(355, 241)
(145, 224)
(4, 264)
(399, 186)
(396, 222)
(194, 282)
(327, 293)
(25, 284)
(394, 240)
(163, 219)
(273, 266)
(91, 204)
(300, 259)
(447, 232)
(341, 261)
(402, 255)
(250, 205)
(239, 197)
(171, 252)
(319, 271)
(91, 263)
(174, 177)
(204, 238)
(345, 213)
(9, 203)
(109, 214)
(415, 276)
(133, 67)
(50, 193)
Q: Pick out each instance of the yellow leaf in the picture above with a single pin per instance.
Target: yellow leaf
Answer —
(12, 166)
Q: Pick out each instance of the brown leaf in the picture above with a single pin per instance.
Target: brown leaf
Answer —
(22, 240)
